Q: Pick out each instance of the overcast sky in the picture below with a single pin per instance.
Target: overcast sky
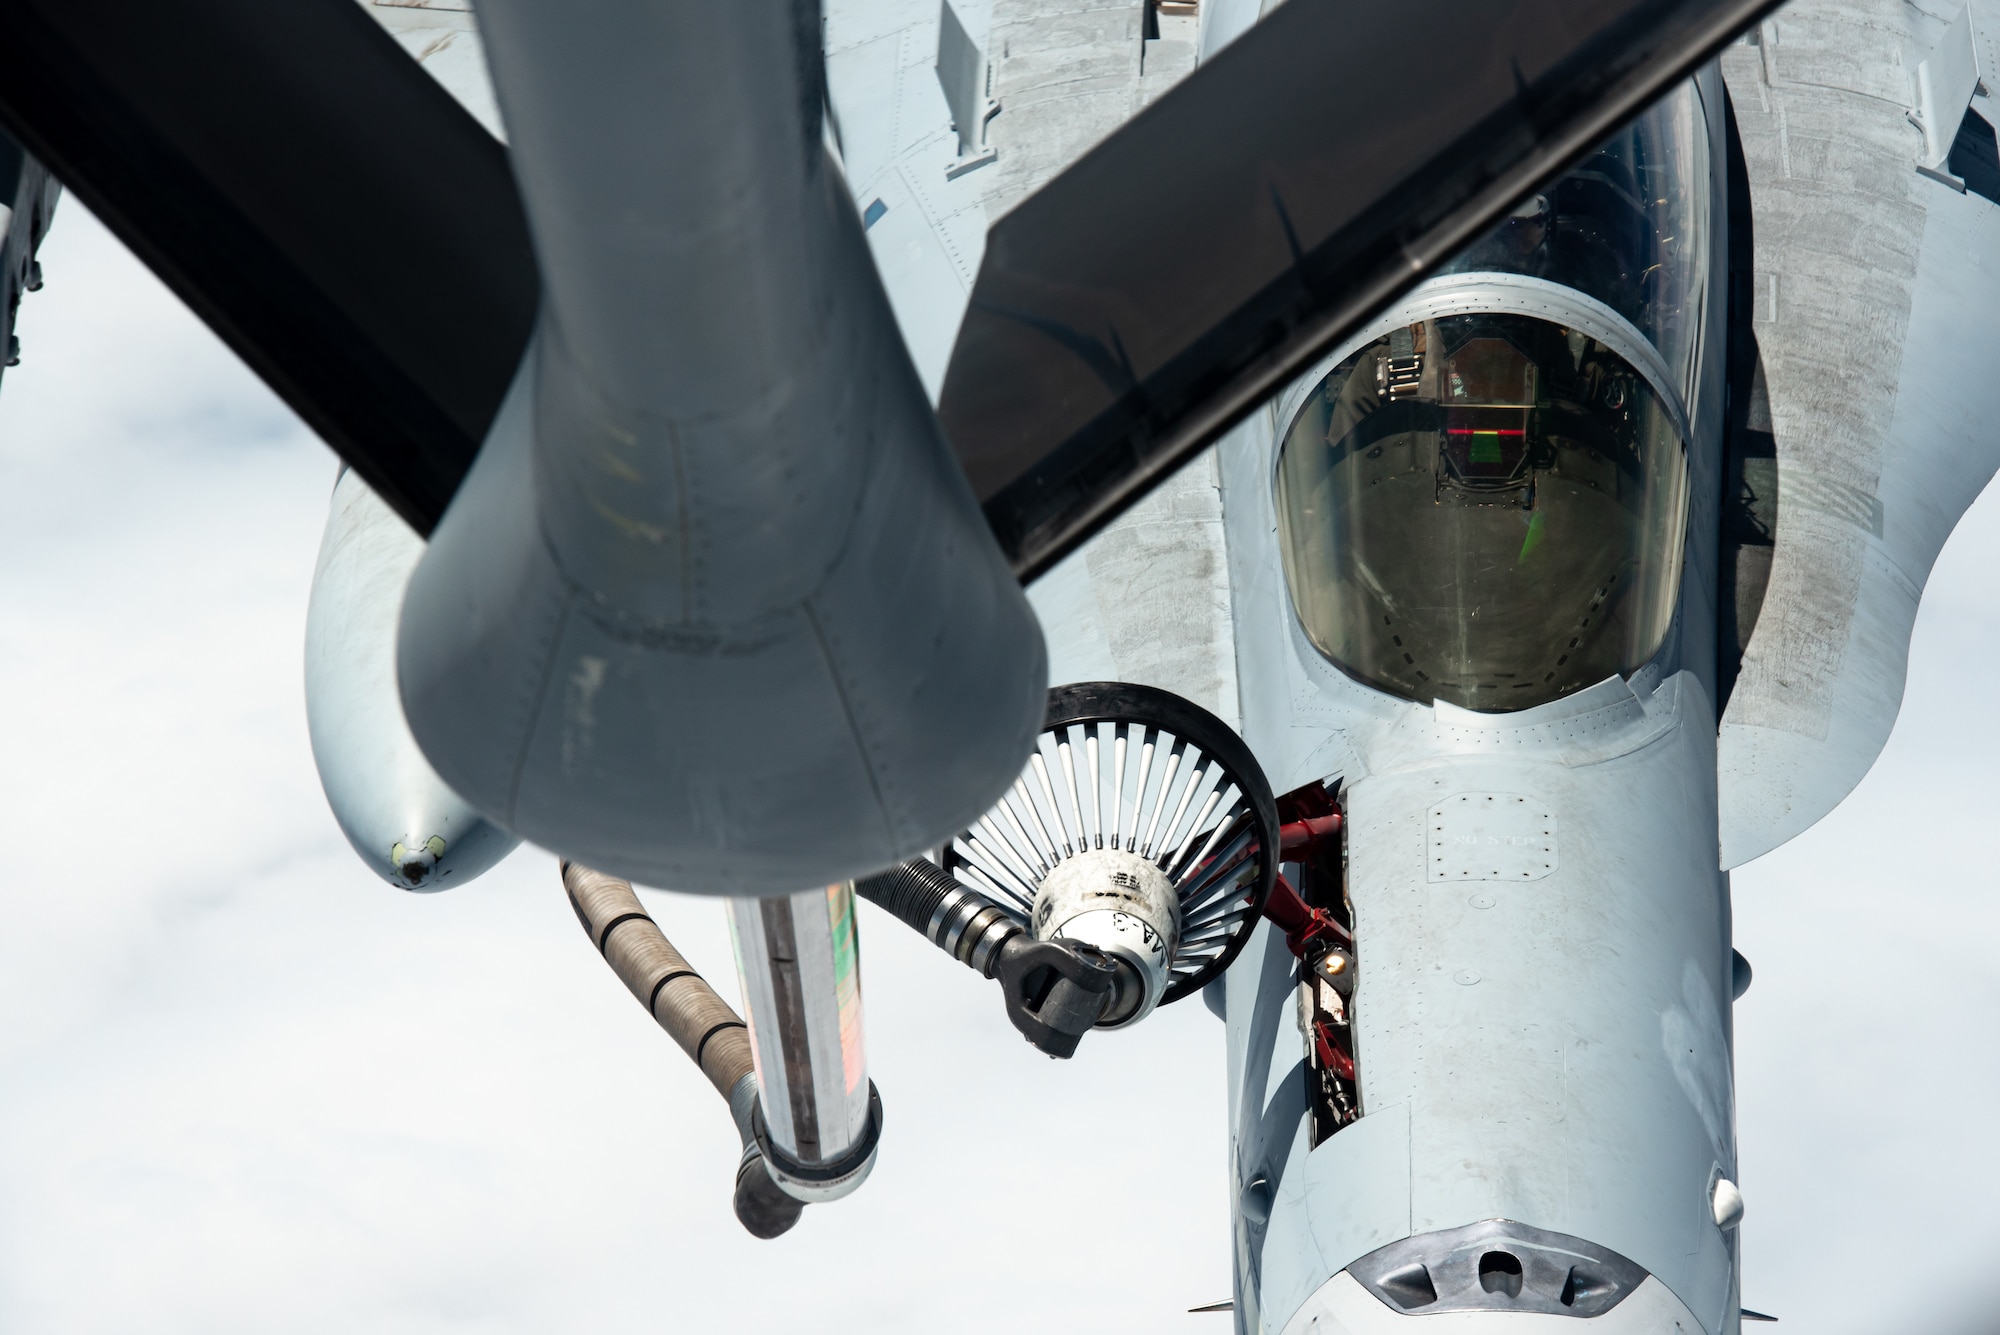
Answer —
(245, 1086)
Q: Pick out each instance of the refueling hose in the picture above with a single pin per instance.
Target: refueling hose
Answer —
(712, 1034)
(963, 923)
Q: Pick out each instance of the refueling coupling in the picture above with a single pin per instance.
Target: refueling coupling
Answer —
(684, 1005)
(1056, 990)
(1123, 870)
(818, 1119)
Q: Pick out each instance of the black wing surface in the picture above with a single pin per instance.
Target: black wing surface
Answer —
(301, 182)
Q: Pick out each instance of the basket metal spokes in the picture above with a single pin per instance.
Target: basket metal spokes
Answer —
(1112, 783)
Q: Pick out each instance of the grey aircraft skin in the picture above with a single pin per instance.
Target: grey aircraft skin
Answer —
(28, 196)
(1540, 1022)
(1655, 473)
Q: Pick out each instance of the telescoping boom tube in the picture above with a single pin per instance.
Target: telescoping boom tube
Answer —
(818, 1119)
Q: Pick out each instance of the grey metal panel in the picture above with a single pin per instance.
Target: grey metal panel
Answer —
(707, 610)
(1537, 1034)
(1266, 1112)
(1148, 600)
(1559, 1047)
(1874, 293)
(1540, 1032)
(898, 150)
(1336, 1204)
(1066, 73)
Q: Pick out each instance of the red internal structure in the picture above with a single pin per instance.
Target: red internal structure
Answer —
(1317, 922)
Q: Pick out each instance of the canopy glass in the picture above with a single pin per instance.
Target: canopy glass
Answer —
(1485, 509)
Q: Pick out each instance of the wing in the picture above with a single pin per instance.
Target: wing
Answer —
(1863, 400)
(345, 226)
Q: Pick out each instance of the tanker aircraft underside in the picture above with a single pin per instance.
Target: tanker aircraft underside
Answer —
(1363, 513)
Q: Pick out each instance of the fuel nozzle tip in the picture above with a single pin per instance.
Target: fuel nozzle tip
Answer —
(762, 1207)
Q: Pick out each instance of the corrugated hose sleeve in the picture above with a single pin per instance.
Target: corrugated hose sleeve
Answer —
(959, 921)
(911, 890)
(711, 1033)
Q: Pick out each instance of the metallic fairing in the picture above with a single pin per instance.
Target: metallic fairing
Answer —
(706, 609)
(403, 821)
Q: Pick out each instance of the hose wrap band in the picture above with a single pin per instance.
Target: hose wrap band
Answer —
(659, 976)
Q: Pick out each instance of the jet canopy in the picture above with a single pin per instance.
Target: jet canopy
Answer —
(1486, 509)
(1629, 226)
(1486, 504)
